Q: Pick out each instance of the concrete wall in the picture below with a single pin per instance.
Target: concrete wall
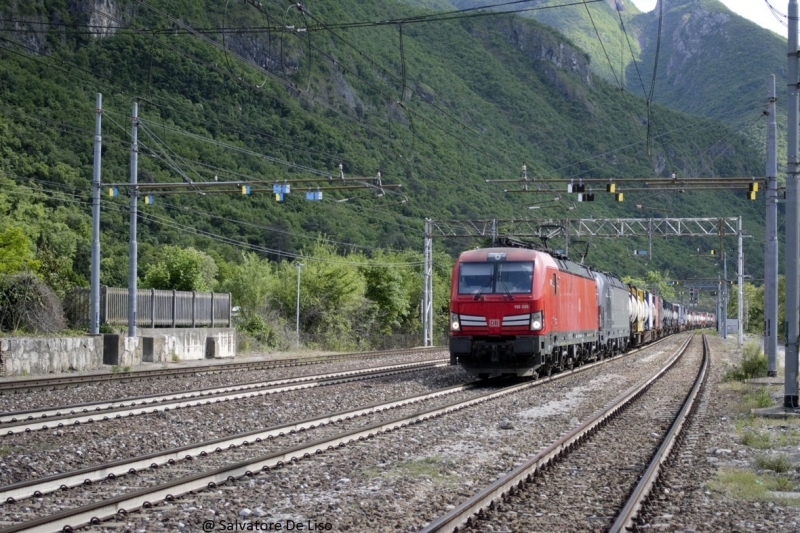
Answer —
(30, 356)
(20, 356)
(187, 344)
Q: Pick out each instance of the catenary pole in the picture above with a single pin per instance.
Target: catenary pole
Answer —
(724, 295)
(740, 287)
(427, 290)
(771, 245)
(297, 318)
(719, 306)
(94, 275)
(132, 250)
(792, 222)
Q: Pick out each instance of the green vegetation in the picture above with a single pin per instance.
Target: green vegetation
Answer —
(756, 439)
(436, 468)
(753, 365)
(777, 463)
(760, 398)
(747, 485)
(471, 102)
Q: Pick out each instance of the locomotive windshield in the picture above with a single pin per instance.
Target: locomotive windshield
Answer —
(512, 277)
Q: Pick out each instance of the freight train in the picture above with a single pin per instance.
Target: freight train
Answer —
(517, 311)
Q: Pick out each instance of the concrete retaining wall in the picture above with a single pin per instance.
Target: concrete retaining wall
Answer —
(20, 356)
(187, 344)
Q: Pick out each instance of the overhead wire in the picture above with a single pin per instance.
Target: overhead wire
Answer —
(258, 67)
(84, 200)
(603, 46)
(402, 82)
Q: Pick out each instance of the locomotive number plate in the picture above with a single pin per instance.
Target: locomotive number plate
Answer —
(494, 323)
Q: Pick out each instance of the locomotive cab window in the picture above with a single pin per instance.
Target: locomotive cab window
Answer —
(512, 277)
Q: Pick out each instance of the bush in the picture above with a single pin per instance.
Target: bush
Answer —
(27, 303)
(255, 327)
(777, 463)
(756, 439)
(760, 398)
(754, 364)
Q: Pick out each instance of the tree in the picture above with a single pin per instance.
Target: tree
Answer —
(16, 252)
(250, 283)
(332, 292)
(656, 282)
(393, 288)
(182, 269)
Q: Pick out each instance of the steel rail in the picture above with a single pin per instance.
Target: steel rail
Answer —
(108, 411)
(37, 487)
(120, 505)
(643, 489)
(463, 513)
(24, 385)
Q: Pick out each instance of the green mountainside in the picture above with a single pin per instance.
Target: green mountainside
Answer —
(711, 61)
(460, 102)
(714, 63)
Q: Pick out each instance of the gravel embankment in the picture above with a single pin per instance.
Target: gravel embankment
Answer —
(587, 488)
(403, 479)
(106, 391)
(690, 502)
(41, 453)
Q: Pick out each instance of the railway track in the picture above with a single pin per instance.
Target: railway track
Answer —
(61, 382)
(205, 476)
(575, 468)
(57, 417)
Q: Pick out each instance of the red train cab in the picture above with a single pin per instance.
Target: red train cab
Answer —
(517, 311)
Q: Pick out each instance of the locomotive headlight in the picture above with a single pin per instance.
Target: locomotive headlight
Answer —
(455, 324)
(536, 321)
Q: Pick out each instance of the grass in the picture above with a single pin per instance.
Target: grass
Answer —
(748, 396)
(784, 484)
(777, 463)
(760, 398)
(747, 485)
(763, 434)
(756, 439)
(753, 365)
(435, 468)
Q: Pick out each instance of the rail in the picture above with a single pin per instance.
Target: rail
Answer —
(464, 512)
(640, 494)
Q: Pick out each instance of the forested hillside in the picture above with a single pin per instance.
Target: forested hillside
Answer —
(227, 92)
(693, 55)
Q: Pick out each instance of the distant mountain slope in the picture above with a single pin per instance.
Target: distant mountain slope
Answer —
(711, 61)
(714, 63)
(463, 101)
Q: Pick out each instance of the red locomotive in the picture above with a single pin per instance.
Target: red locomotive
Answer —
(520, 311)
(525, 312)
